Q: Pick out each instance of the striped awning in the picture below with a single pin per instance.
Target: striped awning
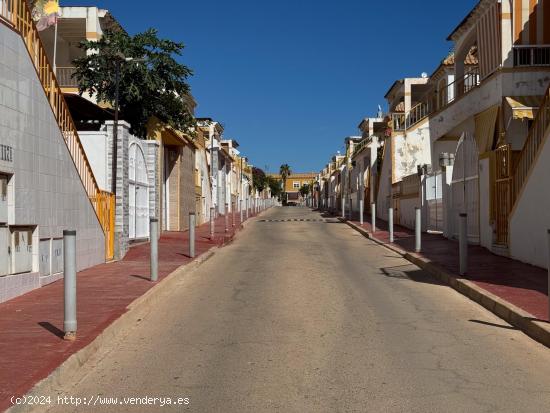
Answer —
(524, 107)
(485, 129)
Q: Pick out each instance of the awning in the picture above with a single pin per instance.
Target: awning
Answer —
(485, 129)
(524, 107)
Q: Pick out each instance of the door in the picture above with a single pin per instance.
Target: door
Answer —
(4, 198)
(433, 191)
(139, 194)
(21, 247)
(4, 251)
(465, 187)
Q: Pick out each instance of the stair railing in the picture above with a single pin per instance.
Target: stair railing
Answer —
(17, 15)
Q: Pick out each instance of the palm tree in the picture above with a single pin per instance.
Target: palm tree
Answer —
(285, 172)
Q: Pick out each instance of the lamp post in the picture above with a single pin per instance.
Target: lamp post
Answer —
(119, 58)
(115, 130)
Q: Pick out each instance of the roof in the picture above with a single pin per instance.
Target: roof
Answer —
(466, 19)
(394, 85)
(470, 60)
(83, 110)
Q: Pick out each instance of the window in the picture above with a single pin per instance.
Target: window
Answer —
(296, 185)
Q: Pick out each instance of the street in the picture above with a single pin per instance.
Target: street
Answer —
(310, 316)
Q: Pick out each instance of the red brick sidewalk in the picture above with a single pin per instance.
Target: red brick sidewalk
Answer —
(31, 344)
(520, 284)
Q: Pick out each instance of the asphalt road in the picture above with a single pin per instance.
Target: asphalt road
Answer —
(301, 316)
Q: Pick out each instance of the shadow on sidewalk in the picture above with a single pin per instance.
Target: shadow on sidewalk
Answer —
(52, 329)
(141, 277)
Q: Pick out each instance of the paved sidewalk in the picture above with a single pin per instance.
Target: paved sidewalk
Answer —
(32, 345)
(522, 285)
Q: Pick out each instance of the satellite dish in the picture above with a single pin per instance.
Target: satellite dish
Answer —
(424, 75)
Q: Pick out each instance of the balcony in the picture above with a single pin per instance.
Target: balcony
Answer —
(436, 101)
(531, 56)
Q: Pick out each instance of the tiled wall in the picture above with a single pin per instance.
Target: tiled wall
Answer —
(46, 189)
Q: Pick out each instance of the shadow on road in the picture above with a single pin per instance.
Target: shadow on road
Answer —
(493, 324)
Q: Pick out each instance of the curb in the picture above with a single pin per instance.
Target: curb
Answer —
(521, 319)
(119, 328)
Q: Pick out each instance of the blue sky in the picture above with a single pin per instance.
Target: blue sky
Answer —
(291, 79)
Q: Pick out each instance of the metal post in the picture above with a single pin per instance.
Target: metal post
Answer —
(463, 243)
(232, 214)
(418, 229)
(192, 224)
(114, 165)
(226, 217)
(390, 223)
(373, 216)
(343, 206)
(69, 284)
(154, 234)
(212, 212)
(361, 211)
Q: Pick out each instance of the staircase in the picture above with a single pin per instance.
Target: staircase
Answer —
(17, 15)
(531, 148)
(512, 172)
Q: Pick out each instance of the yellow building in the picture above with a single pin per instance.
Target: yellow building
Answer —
(294, 182)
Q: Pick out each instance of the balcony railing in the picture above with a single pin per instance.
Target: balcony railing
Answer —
(435, 101)
(65, 76)
(532, 55)
(398, 120)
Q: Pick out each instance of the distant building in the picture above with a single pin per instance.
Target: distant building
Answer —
(291, 191)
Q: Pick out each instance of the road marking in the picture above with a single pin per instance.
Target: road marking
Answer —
(294, 220)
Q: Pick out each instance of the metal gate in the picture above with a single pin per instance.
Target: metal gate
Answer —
(433, 192)
(503, 193)
(465, 187)
(139, 194)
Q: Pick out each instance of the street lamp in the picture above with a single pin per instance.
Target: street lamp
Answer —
(119, 57)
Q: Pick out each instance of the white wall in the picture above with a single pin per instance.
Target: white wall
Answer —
(384, 190)
(412, 149)
(46, 189)
(489, 93)
(95, 146)
(531, 218)
(407, 212)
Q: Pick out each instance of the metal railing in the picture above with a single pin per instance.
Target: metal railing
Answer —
(65, 78)
(532, 145)
(398, 120)
(17, 15)
(435, 101)
(532, 55)
(419, 112)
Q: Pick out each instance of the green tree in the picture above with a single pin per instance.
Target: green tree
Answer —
(153, 84)
(285, 172)
(258, 179)
(304, 190)
(275, 186)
